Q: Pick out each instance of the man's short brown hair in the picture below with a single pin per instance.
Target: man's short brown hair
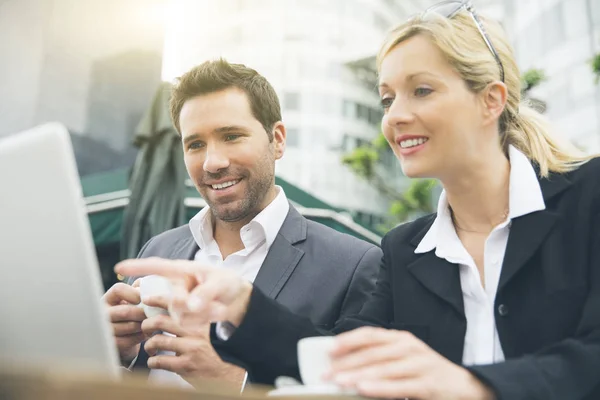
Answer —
(214, 76)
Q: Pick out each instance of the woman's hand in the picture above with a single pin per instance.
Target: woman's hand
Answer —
(395, 364)
(201, 294)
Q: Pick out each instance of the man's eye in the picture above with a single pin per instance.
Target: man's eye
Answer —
(196, 145)
(387, 102)
(229, 138)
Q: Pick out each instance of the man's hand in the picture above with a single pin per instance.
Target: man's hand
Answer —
(395, 364)
(126, 319)
(195, 358)
(201, 294)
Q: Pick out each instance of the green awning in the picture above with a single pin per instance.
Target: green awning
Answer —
(107, 194)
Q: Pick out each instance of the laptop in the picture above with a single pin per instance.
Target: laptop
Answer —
(51, 311)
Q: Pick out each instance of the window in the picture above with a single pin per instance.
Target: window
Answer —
(291, 101)
(552, 28)
(348, 143)
(319, 138)
(370, 115)
(531, 46)
(292, 137)
(349, 109)
(375, 116)
(362, 112)
(595, 6)
(329, 105)
(362, 142)
(291, 65)
(388, 159)
(575, 18)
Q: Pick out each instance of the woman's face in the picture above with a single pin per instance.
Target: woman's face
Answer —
(432, 121)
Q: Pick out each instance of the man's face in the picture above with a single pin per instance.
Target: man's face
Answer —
(228, 155)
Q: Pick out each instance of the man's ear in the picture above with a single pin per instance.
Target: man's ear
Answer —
(494, 98)
(279, 136)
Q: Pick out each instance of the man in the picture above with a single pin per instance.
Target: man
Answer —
(229, 119)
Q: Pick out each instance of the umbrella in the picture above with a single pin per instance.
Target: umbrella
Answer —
(157, 179)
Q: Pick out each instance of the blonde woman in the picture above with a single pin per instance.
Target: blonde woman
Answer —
(495, 296)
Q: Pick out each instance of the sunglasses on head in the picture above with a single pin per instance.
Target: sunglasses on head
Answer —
(449, 9)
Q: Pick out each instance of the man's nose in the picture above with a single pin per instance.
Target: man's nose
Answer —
(216, 160)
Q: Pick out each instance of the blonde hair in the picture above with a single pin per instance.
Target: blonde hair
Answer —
(463, 46)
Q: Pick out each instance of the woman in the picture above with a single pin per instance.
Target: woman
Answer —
(497, 295)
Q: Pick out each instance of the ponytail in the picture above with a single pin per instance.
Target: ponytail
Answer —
(529, 131)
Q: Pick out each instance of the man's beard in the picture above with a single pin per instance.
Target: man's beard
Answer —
(249, 204)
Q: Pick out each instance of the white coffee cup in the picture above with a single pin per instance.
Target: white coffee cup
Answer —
(154, 285)
(314, 360)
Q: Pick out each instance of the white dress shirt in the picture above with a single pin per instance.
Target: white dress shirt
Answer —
(257, 236)
(482, 344)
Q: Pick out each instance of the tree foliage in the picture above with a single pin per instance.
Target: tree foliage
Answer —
(596, 66)
(532, 78)
(416, 200)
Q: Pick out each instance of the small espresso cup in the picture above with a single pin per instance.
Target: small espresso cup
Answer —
(314, 360)
(154, 285)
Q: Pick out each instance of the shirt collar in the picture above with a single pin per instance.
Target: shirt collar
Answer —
(265, 226)
(524, 197)
(272, 217)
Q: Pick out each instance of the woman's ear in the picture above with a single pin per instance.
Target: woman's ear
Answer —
(494, 99)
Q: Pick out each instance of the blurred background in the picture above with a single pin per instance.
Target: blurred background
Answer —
(104, 69)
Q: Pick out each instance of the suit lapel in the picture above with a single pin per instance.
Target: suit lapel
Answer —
(186, 249)
(283, 256)
(438, 275)
(527, 233)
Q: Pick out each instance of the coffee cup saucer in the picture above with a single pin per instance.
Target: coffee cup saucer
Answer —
(312, 390)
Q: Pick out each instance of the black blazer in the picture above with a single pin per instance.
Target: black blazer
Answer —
(547, 303)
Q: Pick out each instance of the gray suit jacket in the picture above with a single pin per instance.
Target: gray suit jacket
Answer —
(311, 269)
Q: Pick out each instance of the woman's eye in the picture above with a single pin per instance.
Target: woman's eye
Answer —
(422, 91)
(387, 102)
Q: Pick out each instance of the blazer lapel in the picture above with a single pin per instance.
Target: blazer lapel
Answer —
(437, 274)
(283, 256)
(185, 249)
(440, 277)
(527, 233)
